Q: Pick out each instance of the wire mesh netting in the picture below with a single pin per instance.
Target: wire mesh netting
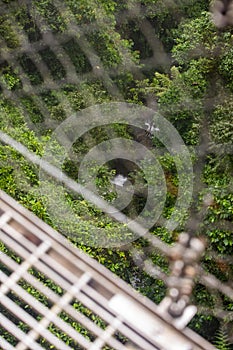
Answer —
(82, 307)
(60, 63)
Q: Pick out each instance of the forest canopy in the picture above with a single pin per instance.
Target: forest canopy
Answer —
(63, 58)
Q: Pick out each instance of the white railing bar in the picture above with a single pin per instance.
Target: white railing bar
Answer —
(50, 315)
(32, 322)
(17, 332)
(106, 334)
(75, 314)
(16, 275)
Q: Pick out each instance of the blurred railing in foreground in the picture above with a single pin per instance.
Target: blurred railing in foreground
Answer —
(83, 301)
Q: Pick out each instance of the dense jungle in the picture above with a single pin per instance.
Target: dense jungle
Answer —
(60, 58)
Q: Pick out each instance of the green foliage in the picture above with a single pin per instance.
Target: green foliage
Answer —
(196, 77)
(53, 16)
(32, 109)
(226, 65)
(10, 115)
(27, 21)
(194, 39)
(9, 77)
(54, 65)
(201, 61)
(30, 69)
(222, 122)
(205, 325)
(77, 56)
(8, 34)
(221, 340)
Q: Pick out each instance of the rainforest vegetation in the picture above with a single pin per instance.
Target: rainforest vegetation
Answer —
(59, 58)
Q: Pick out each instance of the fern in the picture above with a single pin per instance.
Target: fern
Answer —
(221, 340)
